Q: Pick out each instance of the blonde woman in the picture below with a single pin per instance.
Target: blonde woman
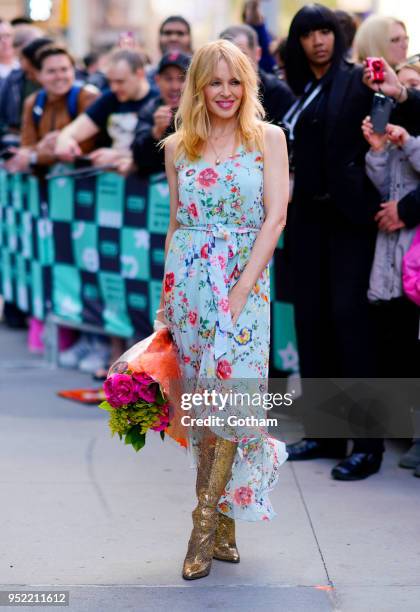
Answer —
(380, 36)
(228, 178)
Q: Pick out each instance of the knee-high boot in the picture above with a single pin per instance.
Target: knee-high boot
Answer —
(225, 548)
(211, 481)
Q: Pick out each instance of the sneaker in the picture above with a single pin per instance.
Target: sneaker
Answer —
(411, 459)
(97, 358)
(72, 356)
(417, 471)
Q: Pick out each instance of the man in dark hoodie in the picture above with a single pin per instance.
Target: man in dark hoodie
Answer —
(156, 120)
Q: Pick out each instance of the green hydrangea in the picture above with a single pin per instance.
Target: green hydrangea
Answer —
(122, 419)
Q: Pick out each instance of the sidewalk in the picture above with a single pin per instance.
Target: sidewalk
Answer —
(84, 513)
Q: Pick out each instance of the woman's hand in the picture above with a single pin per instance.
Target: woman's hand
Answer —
(387, 218)
(160, 322)
(397, 134)
(376, 141)
(390, 86)
(237, 300)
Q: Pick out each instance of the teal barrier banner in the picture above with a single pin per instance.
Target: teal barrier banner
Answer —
(90, 249)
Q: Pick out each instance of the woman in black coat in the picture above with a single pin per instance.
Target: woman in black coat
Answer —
(331, 240)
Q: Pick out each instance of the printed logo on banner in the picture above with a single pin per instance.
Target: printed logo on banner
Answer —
(27, 250)
(85, 198)
(11, 226)
(33, 195)
(137, 301)
(110, 200)
(285, 353)
(16, 191)
(135, 247)
(85, 239)
(158, 209)
(135, 204)
(37, 290)
(61, 198)
(7, 279)
(158, 257)
(3, 187)
(67, 302)
(45, 241)
(114, 315)
(21, 283)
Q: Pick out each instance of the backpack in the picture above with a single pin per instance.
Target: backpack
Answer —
(41, 100)
(411, 270)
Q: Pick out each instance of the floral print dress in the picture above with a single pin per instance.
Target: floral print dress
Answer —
(220, 211)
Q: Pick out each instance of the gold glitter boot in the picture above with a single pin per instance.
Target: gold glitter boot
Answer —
(217, 466)
(225, 544)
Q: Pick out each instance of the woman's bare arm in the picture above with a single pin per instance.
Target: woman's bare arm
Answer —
(276, 197)
(172, 177)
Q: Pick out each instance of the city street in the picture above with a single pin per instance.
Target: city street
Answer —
(84, 513)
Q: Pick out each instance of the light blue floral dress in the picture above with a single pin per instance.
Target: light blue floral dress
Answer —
(220, 211)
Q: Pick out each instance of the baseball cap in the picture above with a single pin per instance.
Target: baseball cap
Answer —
(175, 58)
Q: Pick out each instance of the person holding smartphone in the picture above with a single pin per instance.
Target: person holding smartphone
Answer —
(331, 234)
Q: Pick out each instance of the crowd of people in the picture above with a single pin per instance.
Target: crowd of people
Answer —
(355, 193)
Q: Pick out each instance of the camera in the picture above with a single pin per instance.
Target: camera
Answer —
(376, 67)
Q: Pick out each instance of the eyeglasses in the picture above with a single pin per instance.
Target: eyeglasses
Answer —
(399, 39)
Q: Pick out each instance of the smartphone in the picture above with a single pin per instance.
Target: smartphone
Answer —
(381, 111)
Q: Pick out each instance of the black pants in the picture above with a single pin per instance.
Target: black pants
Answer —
(331, 260)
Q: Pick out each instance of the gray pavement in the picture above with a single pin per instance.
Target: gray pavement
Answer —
(84, 513)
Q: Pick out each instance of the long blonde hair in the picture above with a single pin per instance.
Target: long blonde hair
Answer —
(192, 122)
(372, 37)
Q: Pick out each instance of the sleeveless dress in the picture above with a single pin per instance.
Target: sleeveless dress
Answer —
(220, 211)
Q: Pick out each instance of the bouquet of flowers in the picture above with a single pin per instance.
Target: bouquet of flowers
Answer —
(143, 390)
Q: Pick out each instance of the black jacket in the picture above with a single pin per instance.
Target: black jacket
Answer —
(409, 208)
(276, 97)
(343, 147)
(408, 115)
(148, 156)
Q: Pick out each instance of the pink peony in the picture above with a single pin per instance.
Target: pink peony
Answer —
(224, 369)
(143, 378)
(207, 177)
(169, 281)
(192, 209)
(119, 390)
(192, 316)
(145, 387)
(224, 304)
(148, 394)
(243, 496)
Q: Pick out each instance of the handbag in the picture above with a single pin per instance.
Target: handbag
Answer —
(411, 270)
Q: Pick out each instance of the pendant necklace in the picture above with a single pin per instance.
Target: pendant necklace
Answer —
(218, 161)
